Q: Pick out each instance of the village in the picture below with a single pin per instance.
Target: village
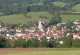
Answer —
(57, 31)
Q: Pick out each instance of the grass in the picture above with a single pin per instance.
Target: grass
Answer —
(41, 51)
(66, 18)
(20, 18)
(34, 16)
(76, 8)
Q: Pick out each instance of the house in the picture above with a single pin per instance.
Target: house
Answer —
(40, 26)
(77, 25)
(76, 36)
(18, 30)
(32, 29)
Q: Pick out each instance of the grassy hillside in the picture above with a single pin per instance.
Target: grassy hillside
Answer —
(76, 8)
(21, 18)
(33, 17)
(70, 17)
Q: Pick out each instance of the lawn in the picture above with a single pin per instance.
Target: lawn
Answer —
(40, 51)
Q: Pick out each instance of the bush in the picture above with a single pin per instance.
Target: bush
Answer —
(35, 42)
(55, 20)
(6, 43)
(67, 43)
(20, 43)
(76, 43)
(44, 42)
(52, 43)
(3, 43)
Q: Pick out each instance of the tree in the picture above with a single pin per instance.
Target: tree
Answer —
(44, 42)
(35, 42)
(29, 43)
(55, 20)
(52, 43)
(2, 43)
(69, 24)
(6, 43)
(20, 43)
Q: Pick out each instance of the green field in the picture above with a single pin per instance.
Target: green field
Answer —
(33, 17)
(76, 8)
(66, 18)
(20, 18)
(40, 51)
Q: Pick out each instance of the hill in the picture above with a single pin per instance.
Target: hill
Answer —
(33, 17)
(24, 18)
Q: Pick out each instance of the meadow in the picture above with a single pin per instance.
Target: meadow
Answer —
(40, 51)
(33, 17)
(24, 18)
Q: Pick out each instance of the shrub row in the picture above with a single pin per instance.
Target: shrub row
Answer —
(43, 43)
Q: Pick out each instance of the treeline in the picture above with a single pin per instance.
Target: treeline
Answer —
(36, 43)
(23, 43)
